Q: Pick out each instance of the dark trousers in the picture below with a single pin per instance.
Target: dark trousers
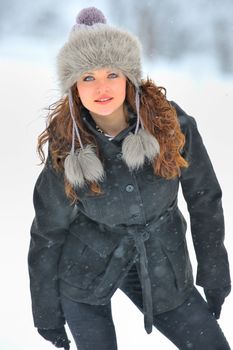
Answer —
(190, 326)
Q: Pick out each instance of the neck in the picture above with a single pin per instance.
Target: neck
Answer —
(112, 124)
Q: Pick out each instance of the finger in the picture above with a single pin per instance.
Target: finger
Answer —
(211, 308)
(212, 311)
(60, 343)
(217, 313)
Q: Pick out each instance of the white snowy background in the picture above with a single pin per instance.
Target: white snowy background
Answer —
(28, 85)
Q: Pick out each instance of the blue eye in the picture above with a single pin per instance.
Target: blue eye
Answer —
(88, 78)
(113, 75)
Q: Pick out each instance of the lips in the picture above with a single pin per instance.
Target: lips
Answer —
(104, 99)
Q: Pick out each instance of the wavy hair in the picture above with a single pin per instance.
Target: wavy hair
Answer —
(158, 116)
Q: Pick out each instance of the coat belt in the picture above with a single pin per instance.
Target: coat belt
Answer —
(139, 237)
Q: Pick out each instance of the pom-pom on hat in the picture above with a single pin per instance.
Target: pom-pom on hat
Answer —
(90, 16)
(93, 44)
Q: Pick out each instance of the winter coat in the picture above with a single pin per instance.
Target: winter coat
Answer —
(84, 251)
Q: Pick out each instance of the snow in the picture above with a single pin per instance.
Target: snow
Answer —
(28, 85)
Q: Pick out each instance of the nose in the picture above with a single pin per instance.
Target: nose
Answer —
(102, 87)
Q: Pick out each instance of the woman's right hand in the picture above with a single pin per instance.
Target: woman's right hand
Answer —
(215, 299)
(57, 336)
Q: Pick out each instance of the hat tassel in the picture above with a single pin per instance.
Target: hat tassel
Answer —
(81, 164)
(139, 145)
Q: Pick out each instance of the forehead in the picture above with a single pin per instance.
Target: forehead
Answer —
(103, 71)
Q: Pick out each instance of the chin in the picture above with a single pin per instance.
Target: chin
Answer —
(104, 111)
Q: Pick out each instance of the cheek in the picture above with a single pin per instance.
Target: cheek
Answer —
(83, 94)
(121, 90)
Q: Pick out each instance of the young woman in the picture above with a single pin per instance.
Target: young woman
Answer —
(106, 203)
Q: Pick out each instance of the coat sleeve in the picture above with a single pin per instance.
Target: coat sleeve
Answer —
(203, 196)
(49, 230)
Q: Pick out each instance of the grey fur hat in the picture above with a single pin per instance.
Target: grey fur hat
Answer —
(93, 44)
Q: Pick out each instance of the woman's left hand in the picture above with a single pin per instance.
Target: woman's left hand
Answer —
(215, 299)
(56, 336)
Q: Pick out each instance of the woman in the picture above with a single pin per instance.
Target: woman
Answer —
(106, 203)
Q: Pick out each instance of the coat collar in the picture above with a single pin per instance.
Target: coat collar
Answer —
(90, 123)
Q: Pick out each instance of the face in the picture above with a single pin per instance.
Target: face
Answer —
(102, 91)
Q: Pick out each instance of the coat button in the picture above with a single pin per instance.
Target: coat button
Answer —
(129, 188)
(119, 156)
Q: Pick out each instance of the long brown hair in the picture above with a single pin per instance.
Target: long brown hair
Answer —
(158, 116)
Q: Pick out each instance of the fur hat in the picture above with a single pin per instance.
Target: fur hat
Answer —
(93, 44)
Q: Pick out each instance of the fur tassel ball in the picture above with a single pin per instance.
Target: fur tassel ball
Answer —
(82, 165)
(150, 144)
(73, 170)
(136, 148)
(92, 167)
(133, 151)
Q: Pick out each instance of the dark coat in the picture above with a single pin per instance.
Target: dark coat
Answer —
(85, 251)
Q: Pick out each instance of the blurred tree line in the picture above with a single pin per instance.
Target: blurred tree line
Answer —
(168, 29)
(175, 29)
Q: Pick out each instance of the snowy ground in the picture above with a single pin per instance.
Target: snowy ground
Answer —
(26, 88)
